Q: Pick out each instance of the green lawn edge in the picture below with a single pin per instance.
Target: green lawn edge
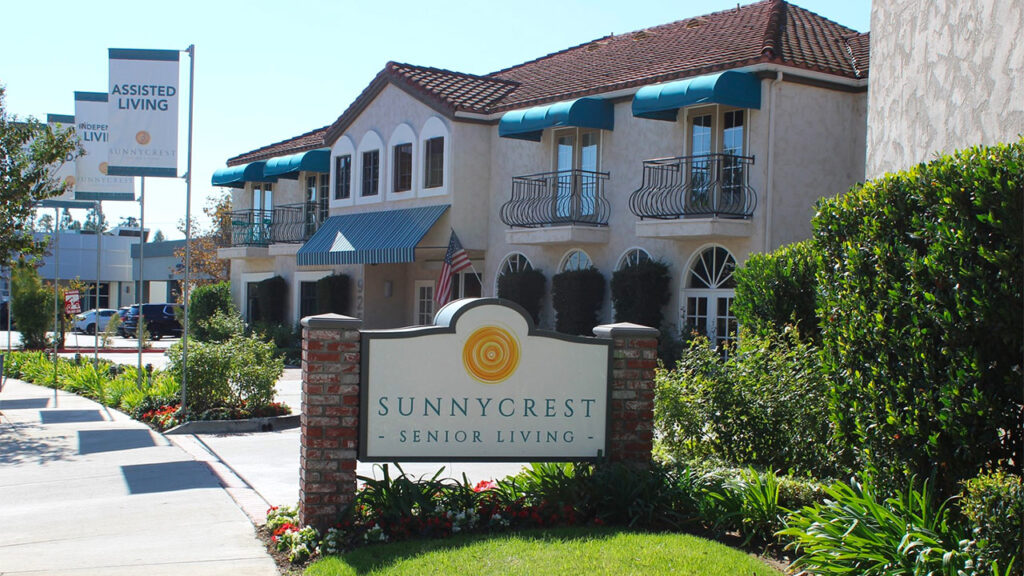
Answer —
(594, 551)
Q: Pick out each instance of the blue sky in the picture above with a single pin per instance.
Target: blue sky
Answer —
(267, 71)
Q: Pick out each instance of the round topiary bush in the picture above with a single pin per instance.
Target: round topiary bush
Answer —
(640, 292)
(577, 296)
(526, 288)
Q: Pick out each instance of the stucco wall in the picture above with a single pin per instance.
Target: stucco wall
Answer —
(945, 75)
(818, 153)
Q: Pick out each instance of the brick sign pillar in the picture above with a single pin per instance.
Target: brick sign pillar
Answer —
(330, 417)
(634, 358)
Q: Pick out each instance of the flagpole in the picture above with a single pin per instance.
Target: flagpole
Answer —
(188, 226)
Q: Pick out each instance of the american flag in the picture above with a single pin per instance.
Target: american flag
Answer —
(455, 260)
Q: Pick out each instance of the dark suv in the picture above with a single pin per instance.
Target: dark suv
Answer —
(160, 320)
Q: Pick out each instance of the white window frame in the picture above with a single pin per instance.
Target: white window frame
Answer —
(343, 147)
(297, 279)
(505, 263)
(371, 141)
(248, 277)
(416, 301)
(712, 294)
(625, 259)
(717, 113)
(434, 127)
(403, 134)
(564, 262)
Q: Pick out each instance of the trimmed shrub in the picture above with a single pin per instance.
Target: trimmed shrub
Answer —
(526, 288)
(286, 339)
(31, 306)
(640, 292)
(763, 406)
(241, 370)
(221, 326)
(333, 295)
(777, 289)
(270, 297)
(577, 296)
(205, 302)
(923, 316)
(994, 505)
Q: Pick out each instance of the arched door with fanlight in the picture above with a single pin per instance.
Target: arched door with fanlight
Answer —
(708, 296)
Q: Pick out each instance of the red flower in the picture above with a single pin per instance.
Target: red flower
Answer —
(484, 485)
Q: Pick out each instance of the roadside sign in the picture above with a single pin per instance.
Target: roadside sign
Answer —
(72, 302)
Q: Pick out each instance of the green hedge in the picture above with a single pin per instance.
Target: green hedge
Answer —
(640, 292)
(765, 405)
(242, 370)
(577, 296)
(206, 303)
(777, 289)
(332, 295)
(994, 505)
(31, 306)
(923, 315)
(526, 288)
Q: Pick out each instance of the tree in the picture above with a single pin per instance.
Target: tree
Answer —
(91, 224)
(68, 222)
(129, 222)
(31, 305)
(206, 267)
(158, 236)
(28, 151)
(44, 224)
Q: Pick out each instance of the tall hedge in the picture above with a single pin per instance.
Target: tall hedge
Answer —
(31, 306)
(923, 315)
(526, 288)
(332, 294)
(577, 296)
(640, 292)
(777, 289)
(270, 296)
(204, 303)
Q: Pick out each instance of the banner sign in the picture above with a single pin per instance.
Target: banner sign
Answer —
(65, 171)
(92, 179)
(483, 384)
(143, 113)
(72, 302)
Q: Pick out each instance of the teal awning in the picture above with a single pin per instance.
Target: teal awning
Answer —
(662, 102)
(318, 160)
(528, 124)
(370, 237)
(237, 176)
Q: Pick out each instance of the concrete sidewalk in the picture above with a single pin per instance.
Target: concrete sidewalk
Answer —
(87, 490)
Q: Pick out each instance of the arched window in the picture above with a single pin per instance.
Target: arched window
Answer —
(434, 150)
(632, 257)
(513, 263)
(575, 260)
(708, 293)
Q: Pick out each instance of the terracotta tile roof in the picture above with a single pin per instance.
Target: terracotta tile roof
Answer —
(767, 31)
(309, 141)
(770, 31)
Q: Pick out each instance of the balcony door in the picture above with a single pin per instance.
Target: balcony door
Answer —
(262, 213)
(576, 164)
(712, 133)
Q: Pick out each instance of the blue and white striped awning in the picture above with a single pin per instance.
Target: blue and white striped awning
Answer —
(384, 237)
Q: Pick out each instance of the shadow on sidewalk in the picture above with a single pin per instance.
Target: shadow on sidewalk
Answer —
(168, 477)
(17, 447)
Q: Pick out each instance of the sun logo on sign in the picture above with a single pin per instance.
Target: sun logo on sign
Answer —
(491, 354)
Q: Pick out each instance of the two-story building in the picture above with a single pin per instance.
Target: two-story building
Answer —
(695, 143)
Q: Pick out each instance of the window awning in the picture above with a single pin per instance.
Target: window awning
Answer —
(382, 237)
(528, 124)
(318, 160)
(237, 176)
(732, 88)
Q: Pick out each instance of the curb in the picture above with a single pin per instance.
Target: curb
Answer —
(265, 424)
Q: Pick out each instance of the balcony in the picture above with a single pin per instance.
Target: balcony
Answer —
(284, 224)
(705, 195)
(566, 207)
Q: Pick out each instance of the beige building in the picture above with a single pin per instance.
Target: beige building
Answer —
(945, 75)
(695, 143)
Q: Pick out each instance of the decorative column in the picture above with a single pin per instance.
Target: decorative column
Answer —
(330, 417)
(634, 358)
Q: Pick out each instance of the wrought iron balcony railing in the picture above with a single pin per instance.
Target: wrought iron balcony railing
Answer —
(557, 198)
(695, 186)
(287, 223)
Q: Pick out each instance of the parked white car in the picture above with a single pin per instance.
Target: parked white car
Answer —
(86, 321)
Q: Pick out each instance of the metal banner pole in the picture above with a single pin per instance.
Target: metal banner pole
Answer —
(96, 301)
(56, 297)
(142, 261)
(188, 226)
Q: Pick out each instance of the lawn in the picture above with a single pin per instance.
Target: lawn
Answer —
(591, 551)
